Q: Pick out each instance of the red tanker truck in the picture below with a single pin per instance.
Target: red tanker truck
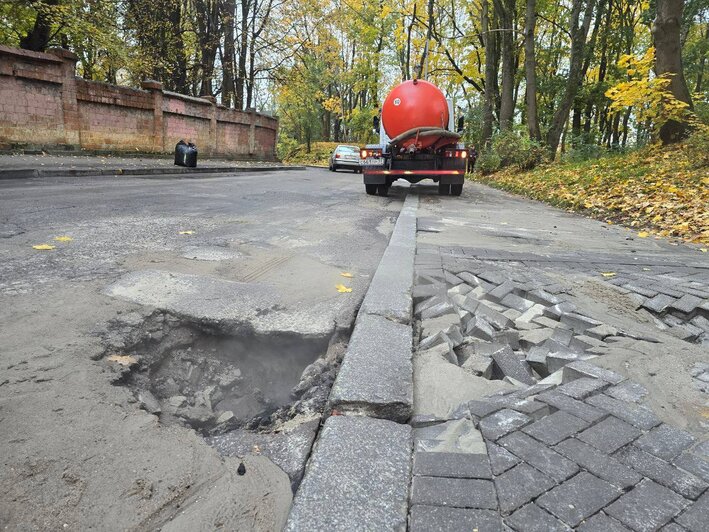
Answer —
(416, 141)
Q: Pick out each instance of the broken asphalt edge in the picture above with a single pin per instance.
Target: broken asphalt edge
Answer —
(359, 470)
(25, 173)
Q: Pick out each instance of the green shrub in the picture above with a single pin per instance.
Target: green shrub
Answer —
(512, 148)
(488, 162)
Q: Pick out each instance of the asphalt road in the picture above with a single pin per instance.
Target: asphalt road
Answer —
(264, 249)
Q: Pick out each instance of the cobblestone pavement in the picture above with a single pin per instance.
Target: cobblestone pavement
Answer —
(518, 420)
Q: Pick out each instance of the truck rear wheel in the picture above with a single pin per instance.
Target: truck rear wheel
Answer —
(383, 190)
(443, 190)
(371, 189)
(456, 190)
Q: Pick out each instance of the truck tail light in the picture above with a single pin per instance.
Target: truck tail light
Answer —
(462, 154)
(375, 153)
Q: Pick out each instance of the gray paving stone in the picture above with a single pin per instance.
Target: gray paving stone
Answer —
(357, 477)
(454, 465)
(503, 422)
(578, 498)
(531, 518)
(539, 455)
(583, 368)
(500, 459)
(475, 409)
(494, 277)
(556, 311)
(469, 278)
(696, 517)
(542, 297)
(376, 375)
(479, 328)
(455, 492)
(610, 434)
(600, 464)
(673, 527)
(555, 427)
(628, 391)
(578, 322)
(560, 359)
(498, 293)
(561, 336)
(494, 317)
(665, 441)
(479, 365)
(647, 507)
(661, 472)
(438, 310)
(687, 303)
(571, 405)
(601, 523)
(516, 302)
(694, 464)
(508, 364)
(426, 518)
(583, 387)
(453, 436)
(535, 337)
(636, 415)
(659, 303)
(520, 485)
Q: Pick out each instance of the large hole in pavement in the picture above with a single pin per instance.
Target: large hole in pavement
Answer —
(195, 374)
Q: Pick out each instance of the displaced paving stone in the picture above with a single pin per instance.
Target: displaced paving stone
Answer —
(636, 415)
(426, 518)
(578, 498)
(479, 328)
(696, 518)
(537, 360)
(661, 472)
(586, 369)
(516, 302)
(628, 391)
(609, 435)
(531, 518)
(357, 477)
(601, 332)
(479, 365)
(647, 507)
(539, 455)
(446, 307)
(498, 293)
(529, 339)
(529, 407)
(493, 317)
(578, 322)
(542, 297)
(556, 427)
(560, 359)
(508, 364)
(556, 311)
(507, 337)
(659, 303)
(503, 422)
(457, 492)
(500, 459)
(511, 314)
(598, 463)
(531, 314)
(601, 523)
(571, 405)
(584, 343)
(376, 375)
(520, 485)
(476, 409)
(562, 336)
(422, 292)
(583, 387)
(694, 464)
(687, 303)
(665, 441)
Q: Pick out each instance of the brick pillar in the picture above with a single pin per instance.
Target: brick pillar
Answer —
(155, 88)
(252, 130)
(70, 105)
(212, 148)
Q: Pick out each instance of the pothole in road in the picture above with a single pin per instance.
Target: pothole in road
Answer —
(245, 393)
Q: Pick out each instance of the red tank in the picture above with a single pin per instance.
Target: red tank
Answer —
(415, 104)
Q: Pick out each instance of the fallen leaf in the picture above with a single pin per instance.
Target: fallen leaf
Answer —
(343, 289)
(63, 238)
(186, 232)
(703, 250)
(347, 274)
(643, 234)
(123, 360)
(43, 247)
(608, 274)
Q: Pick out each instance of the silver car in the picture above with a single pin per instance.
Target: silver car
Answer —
(345, 157)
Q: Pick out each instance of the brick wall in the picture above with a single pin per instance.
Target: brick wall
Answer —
(43, 104)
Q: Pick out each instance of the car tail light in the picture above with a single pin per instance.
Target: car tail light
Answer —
(337, 156)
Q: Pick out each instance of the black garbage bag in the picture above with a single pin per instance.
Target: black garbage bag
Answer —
(185, 154)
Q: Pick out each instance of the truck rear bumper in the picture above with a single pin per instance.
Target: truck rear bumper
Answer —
(382, 177)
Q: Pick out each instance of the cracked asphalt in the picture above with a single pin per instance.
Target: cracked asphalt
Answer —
(263, 251)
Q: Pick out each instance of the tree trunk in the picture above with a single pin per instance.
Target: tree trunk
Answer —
(578, 41)
(530, 69)
(490, 74)
(40, 34)
(668, 60)
(505, 13)
(243, 52)
(228, 14)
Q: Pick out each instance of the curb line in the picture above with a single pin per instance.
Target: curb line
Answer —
(24, 173)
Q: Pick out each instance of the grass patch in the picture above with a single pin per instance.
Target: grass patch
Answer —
(656, 191)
